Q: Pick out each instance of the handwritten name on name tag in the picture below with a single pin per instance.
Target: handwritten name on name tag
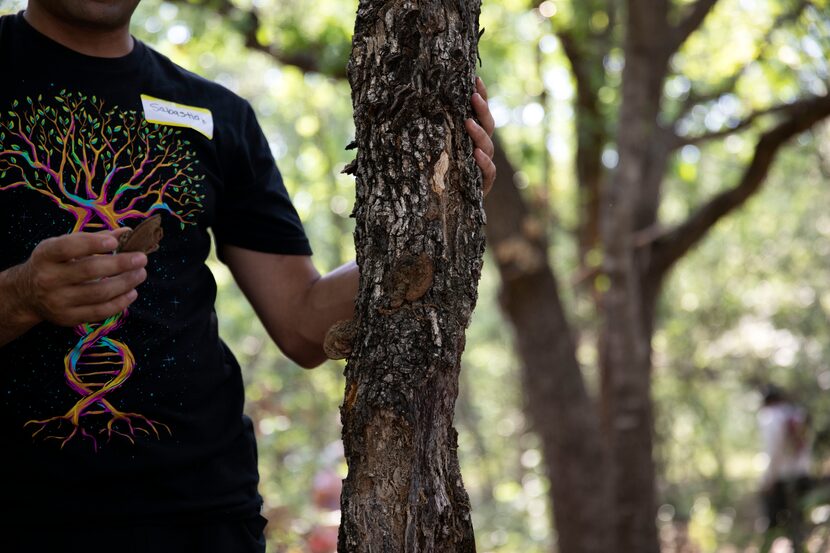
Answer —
(164, 112)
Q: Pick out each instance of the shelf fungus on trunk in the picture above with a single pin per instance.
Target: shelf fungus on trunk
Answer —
(409, 280)
(339, 338)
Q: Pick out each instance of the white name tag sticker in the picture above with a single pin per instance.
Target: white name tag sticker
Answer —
(164, 112)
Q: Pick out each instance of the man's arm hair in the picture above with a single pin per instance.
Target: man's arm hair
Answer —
(15, 318)
(295, 303)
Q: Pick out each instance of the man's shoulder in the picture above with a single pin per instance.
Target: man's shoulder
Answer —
(7, 21)
(8, 33)
(189, 85)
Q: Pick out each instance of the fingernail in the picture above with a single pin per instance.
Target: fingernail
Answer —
(109, 243)
(138, 260)
(131, 295)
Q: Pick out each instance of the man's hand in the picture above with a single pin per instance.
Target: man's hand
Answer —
(67, 282)
(481, 132)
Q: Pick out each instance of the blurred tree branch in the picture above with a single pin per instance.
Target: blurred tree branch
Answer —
(672, 245)
(693, 20)
(586, 49)
(727, 85)
(307, 60)
(788, 108)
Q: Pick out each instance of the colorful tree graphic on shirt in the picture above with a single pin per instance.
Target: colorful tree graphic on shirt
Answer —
(104, 167)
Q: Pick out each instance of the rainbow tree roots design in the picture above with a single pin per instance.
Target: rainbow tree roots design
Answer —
(104, 168)
(94, 368)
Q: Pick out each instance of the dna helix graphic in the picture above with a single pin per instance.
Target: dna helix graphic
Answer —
(94, 368)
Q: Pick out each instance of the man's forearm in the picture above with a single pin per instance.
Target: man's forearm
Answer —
(330, 299)
(14, 318)
(295, 304)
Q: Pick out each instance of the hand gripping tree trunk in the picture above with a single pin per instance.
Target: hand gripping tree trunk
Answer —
(419, 242)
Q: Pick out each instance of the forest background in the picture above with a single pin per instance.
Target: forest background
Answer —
(749, 305)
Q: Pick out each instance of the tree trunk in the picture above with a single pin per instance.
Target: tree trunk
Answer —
(562, 413)
(419, 243)
(625, 335)
(591, 139)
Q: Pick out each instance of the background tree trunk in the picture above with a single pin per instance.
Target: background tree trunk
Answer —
(557, 401)
(419, 242)
(625, 335)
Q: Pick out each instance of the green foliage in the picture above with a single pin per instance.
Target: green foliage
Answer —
(749, 307)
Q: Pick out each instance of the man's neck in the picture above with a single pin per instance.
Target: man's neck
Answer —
(109, 43)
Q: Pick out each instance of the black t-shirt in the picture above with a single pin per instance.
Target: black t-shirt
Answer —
(139, 418)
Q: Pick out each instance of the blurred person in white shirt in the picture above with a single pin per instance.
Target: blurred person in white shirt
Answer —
(784, 429)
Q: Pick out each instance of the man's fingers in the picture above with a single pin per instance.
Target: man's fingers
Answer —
(101, 311)
(101, 266)
(480, 137)
(483, 113)
(480, 88)
(75, 245)
(102, 291)
(119, 231)
(488, 169)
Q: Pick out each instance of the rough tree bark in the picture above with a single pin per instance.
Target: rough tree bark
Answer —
(419, 243)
